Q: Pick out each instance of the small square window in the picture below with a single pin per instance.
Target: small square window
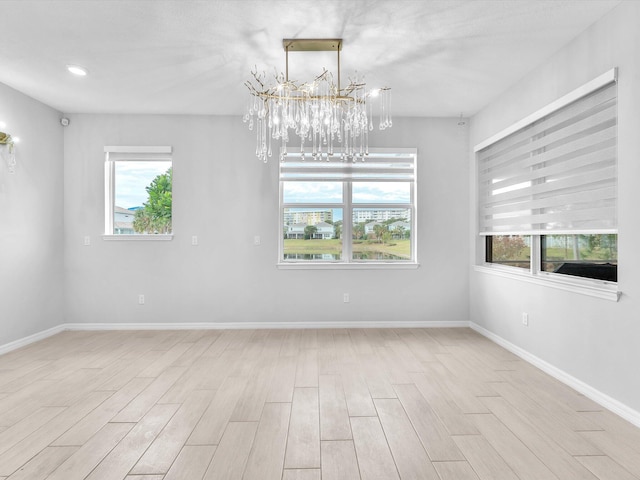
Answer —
(138, 191)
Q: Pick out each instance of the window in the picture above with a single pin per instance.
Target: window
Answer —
(509, 250)
(547, 187)
(356, 213)
(138, 191)
(591, 256)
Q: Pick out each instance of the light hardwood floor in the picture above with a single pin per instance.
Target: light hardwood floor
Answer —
(349, 404)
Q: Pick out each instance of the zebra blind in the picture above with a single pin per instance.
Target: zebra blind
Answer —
(557, 174)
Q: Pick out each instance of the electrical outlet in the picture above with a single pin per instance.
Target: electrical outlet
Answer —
(525, 319)
(194, 240)
(140, 299)
(87, 240)
(256, 240)
(345, 298)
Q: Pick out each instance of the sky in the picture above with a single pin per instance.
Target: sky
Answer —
(132, 178)
(331, 192)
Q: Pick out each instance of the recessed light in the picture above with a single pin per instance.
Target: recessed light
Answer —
(77, 70)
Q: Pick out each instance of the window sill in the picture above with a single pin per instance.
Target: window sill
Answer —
(592, 288)
(138, 238)
(348, 266)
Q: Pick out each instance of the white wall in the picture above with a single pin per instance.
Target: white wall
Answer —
(594, 340)
(226, 196)
(31, 219)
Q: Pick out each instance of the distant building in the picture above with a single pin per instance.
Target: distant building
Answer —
(370, 228)
(399, 229)
(382, 215)
(307, 217)
(324, 231)
(296, 231)
(123, 221)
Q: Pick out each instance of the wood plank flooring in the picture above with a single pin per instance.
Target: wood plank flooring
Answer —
(335, 404)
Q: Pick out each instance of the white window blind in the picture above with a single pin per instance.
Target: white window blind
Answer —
(556, 174)
(377, 167)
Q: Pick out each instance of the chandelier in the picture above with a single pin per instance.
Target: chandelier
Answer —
(6, 139)
(334, 120)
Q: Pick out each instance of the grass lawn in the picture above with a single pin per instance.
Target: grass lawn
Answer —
(313, 246)
(597, 254)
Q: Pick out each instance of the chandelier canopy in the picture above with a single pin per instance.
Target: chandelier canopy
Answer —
(334, 120)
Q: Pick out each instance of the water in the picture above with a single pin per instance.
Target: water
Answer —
(332, 257)
(376, 256)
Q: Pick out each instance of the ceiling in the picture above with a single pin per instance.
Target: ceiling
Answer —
(441, 58)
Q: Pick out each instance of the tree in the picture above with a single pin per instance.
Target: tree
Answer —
(310, 231)
(155, 215)
(142, 221)
(610, 242)
(337, 230)
(380, 230)
(507, 247)
(358, 231)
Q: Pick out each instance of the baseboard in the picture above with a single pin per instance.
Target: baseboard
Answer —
(588, 391)
(260, 325)
(23, 342)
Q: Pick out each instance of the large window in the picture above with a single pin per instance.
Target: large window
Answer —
(547, 187)
(348, 212)
(138, 191)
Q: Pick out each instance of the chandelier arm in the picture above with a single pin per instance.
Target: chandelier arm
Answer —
(256, 77)
(324, 73)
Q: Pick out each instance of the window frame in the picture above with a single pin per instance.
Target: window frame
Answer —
(347, 206)
(134, 154)
(535, 265)
(541, 260)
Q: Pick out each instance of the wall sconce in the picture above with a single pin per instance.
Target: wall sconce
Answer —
(9, 142)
